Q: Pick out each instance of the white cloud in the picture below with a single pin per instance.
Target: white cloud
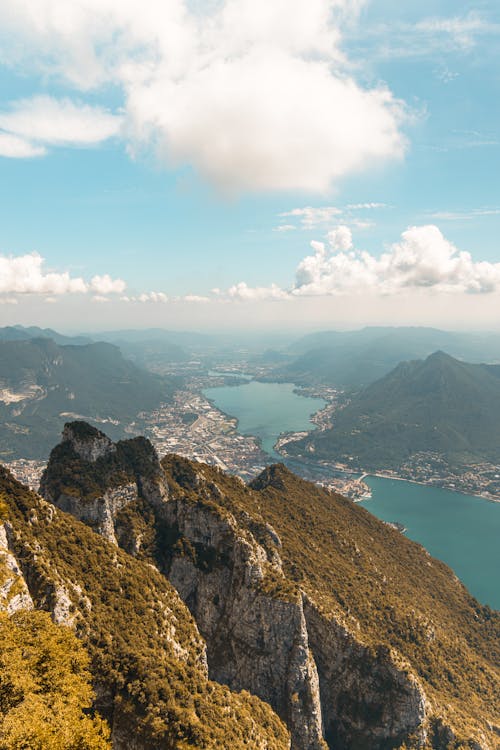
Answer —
(311, 216)
(13, 147)
(32, 124)
(254, 94)
(245, 293)
(100, 298)
(423, 258)
(431, 36)
(25, 274)
(106, 285)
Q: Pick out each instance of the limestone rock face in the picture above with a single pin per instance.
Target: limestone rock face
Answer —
(255, 640)
(368, 700)
(90, 444)
(14, 593)
(100, 512)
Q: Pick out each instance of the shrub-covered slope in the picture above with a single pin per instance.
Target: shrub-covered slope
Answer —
(146, 655)
(352, 632)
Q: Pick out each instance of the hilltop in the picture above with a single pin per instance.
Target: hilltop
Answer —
(43, 383)
(436, 405)
(351, 632)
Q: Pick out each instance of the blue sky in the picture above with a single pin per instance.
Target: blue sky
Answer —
(154, 152)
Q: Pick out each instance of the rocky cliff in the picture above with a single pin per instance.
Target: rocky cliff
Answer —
(148, 659)
(352, 633)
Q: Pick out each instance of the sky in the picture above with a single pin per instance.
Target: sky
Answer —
(213, 164)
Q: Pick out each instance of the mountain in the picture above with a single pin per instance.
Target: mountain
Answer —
(357, 358)
(147, 658)
(351, 632)
(20, 333)
(42, 383)
(436, 405)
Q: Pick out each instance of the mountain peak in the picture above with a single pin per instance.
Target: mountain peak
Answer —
(88, 442)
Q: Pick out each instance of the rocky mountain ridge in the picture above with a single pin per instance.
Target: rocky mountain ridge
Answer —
(302, 599)
(148, 659)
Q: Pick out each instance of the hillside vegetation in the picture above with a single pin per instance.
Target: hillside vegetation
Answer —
(147, 658)
(42, 383)
(439, 404)
(405, 656)
(45, 687)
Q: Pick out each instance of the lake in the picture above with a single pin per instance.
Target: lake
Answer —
(266, 409)
(461, 530)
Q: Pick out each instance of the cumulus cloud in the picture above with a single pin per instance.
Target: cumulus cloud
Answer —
(254, 94)
(31, 124)
(245, 293)
(423, 258)
(25, 274)
(106, 285)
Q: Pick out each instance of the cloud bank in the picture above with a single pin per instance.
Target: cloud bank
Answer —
(255, 95)
(422, 259)
(25, 274)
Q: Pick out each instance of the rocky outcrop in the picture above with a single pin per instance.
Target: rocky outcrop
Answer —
(14, 593)
(256, 640)
(87, 442)
(147, 657)
(97, 512)
(370, 699)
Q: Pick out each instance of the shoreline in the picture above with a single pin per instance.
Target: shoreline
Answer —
(428, 484)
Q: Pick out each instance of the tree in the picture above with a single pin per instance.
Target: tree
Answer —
(45, 689)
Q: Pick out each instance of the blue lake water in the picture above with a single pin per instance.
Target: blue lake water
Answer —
(266, 409)
(461, 530)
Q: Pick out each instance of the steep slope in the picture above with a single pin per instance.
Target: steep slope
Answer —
(439, 404)
(357, 358)
(42, 383)
(147, 658)
(349, 630)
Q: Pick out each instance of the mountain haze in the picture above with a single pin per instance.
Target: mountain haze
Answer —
(357, 358)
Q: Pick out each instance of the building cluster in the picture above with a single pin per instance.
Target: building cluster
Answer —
(27, 471)
(191, 426)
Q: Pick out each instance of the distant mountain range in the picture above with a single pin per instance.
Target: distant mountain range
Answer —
(357, 358)
(437, 405)
(22, 333)
(43, 383)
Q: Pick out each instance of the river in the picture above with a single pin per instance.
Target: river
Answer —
(461, 530)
